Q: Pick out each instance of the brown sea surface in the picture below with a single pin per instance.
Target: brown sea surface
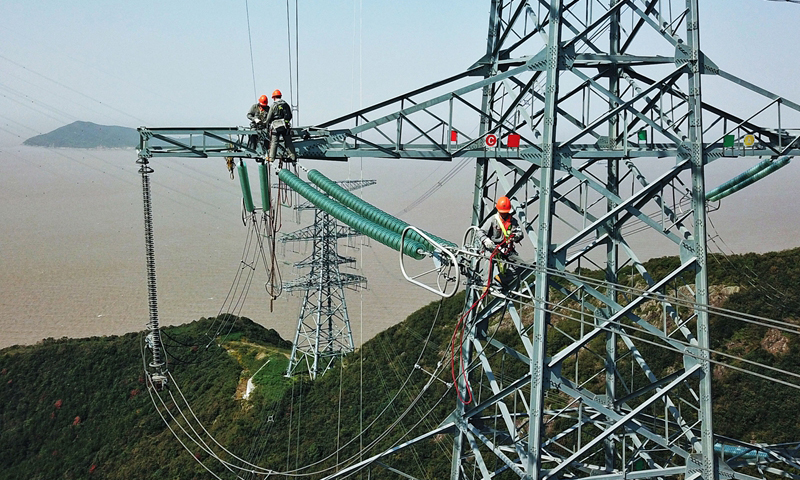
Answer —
(72, 251)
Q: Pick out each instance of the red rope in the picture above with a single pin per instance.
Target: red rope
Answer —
(459, 330)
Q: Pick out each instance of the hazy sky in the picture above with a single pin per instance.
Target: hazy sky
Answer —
(188, 63)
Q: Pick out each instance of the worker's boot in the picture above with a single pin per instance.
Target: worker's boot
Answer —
(496, 288)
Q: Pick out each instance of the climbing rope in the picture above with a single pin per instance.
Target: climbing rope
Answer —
(271, 215)
(461, 327)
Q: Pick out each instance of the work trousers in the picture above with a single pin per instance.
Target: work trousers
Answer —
(287, 139)
(507, 268)
(253, 140)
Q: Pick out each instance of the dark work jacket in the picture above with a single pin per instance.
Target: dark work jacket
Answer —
(491, 229)
(256, 112)
(272, 118)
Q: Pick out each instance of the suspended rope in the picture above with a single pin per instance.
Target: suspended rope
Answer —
(285, 191)
(289, 50)
(299, 418)
(252, 61)
(240, 286)
(271, 218)
(678, 301)
(459, 331)
(446, 178)
(752, 277)
(262, 229)
(194, 437)
(687, 302)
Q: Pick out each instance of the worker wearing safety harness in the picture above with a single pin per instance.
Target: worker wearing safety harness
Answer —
(258, 121)
(279, 120)
(498, 235)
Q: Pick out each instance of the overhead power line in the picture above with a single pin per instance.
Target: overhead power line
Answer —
(73, 90)
(250, 40)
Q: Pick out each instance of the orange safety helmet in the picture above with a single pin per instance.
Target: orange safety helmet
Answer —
(262, 100)
(503, 205)
(276, 93)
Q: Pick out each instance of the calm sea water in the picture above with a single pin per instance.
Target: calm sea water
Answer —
(72, 244)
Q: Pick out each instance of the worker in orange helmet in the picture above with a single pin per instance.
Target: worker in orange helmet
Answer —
(279, 120)
(258, 121)
(499, 234)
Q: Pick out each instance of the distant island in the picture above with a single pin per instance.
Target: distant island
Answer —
(87, 135)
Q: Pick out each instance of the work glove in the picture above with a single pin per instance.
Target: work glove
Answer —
(488, 244)
(516, 234)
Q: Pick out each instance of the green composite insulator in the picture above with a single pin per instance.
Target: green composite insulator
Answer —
(713, 195)
(374, 231)
(746, 178)
(369, 211)
(247, 195)
(262, 174)
(772, 167)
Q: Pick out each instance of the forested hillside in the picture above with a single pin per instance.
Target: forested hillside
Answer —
(79, 408)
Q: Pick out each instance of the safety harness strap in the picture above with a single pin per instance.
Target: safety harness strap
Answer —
(502, 225)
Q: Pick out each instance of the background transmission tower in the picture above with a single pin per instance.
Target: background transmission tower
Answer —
(323, 328)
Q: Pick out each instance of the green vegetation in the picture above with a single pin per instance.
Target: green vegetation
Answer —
(79, 408)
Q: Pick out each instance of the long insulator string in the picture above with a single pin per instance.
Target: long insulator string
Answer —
(158, 361)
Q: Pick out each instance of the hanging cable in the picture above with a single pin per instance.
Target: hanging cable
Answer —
(686, 352)
(272, 223)
(252, 61)
(297, 61)
(259, 470)
(73, 90)
(678, 301)
(390, 402)
(289, 49)
(445, 178)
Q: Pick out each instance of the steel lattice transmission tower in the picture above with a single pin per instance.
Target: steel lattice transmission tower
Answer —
(615, 133)
(323, 332)
(603, 104)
